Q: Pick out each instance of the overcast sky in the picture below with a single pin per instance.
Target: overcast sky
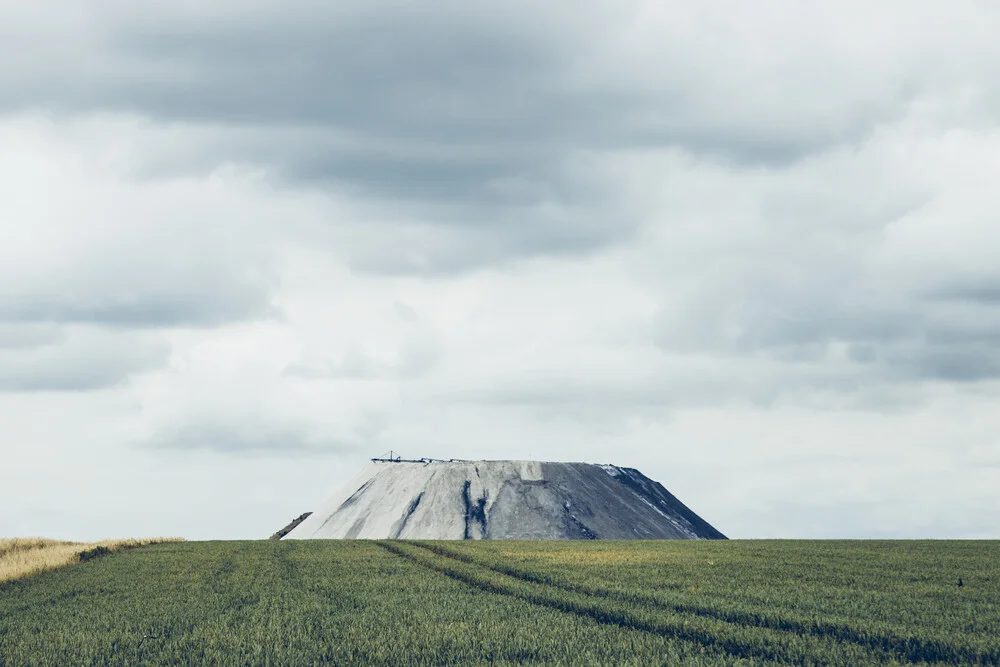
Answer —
(748, 248)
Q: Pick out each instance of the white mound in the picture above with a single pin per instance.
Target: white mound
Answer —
(453, 500)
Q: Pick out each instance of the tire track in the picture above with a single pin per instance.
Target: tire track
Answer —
(909, 648)
(613, 612)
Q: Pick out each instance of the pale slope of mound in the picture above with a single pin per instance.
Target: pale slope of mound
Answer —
(502, 500)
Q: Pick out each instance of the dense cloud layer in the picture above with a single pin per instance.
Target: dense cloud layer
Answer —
(494, 127)
(671, 236)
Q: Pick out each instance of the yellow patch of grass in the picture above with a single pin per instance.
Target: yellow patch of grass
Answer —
(22, 557)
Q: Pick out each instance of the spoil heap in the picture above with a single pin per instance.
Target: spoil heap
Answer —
(531, 500)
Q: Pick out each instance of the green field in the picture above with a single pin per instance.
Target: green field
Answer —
(641, 603)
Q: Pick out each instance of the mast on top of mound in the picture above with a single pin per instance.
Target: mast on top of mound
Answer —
(395, 457)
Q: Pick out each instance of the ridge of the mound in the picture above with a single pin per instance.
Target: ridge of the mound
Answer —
(430, 499)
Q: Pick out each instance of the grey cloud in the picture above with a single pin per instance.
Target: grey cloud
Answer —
(429, 251)
(488, 77)
(230, 438)
(143, 310)
(374, 69)
(817, 288)
(985, 291)
(24, 336)
(912, 340)
(83, 361)
(957, 363)
(768, 351)
(903, 340)
(175, 275)
(257, 436)
(472, 120)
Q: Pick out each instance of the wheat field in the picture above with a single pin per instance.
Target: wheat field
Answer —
(552, 602)
(22, 557)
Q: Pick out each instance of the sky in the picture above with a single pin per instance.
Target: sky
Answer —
(747, 248)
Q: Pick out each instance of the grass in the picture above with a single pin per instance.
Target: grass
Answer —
(899, 600)
(25, 556)
(639, 603)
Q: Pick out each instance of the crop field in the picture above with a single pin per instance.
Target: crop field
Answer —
(590, 602)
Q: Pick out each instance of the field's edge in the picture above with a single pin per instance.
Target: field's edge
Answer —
(23, 557)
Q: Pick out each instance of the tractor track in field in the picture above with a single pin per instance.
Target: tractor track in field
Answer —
(908, 648)
(572, 602)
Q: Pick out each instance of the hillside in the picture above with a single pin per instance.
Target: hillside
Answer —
(453, 500)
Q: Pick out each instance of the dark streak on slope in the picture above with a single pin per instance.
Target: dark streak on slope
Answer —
(468, 509)
(347, 503)
(355, 496)
(473, 512)
(586, 532)
(355, 529)
(479, 514)
(479, 511)
(401, 524)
